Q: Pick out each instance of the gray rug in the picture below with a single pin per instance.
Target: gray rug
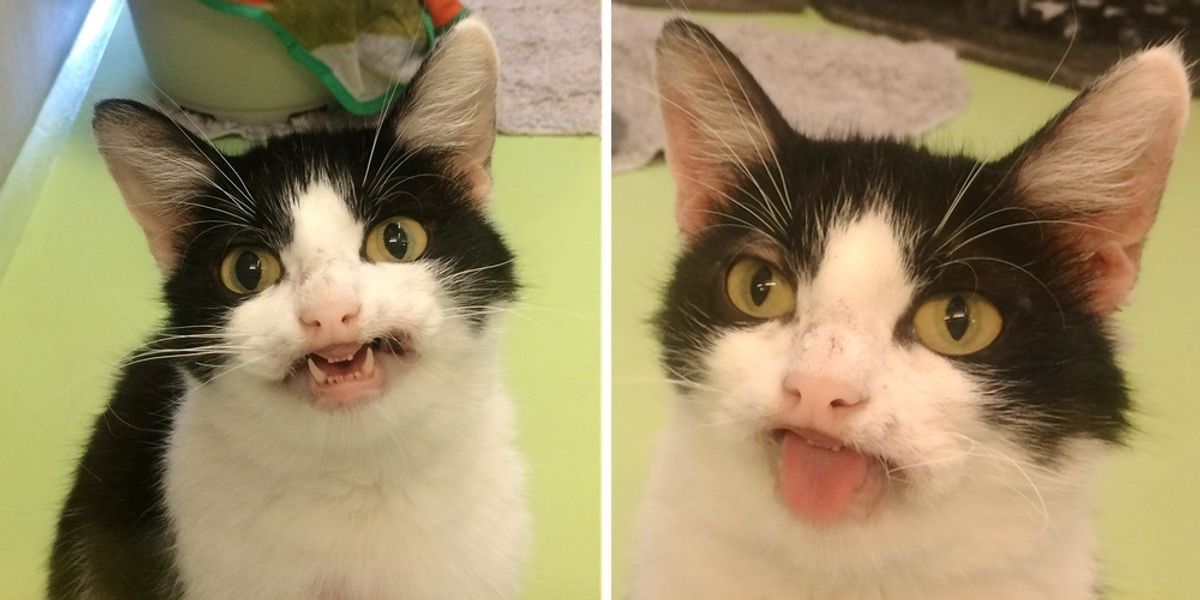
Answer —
(729, 5)
(550, 64)
(549, 75)
(822, 83)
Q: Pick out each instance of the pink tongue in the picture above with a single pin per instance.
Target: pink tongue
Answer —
(818, 484)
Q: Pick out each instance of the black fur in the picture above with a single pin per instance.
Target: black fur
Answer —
(1053, 364)
(113, 537)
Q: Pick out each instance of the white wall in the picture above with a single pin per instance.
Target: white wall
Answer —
(35, 36)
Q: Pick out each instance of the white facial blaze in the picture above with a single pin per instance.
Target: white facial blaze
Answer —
(324, 230)
(860, 290)
(324, 252)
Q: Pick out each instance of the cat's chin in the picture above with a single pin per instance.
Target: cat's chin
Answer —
(822, 480)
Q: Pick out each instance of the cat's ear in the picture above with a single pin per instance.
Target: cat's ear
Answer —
(716, 118)
(450, 105)
(1102, 164)
(156, 165)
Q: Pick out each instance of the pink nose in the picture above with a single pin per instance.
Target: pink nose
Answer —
(334, 322)
(817, 401)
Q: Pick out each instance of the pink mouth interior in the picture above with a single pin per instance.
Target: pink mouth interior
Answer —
(817, 482)
(345, 374)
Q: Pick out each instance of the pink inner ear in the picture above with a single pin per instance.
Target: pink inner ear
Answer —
(162, 248)
(1116, 243)
(699, 182)
(1113, 243)
(161, 221)
(477, 178)
(1113, 269)
(1112, 248)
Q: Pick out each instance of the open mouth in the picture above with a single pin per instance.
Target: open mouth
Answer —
(345, 374)
(822, 479)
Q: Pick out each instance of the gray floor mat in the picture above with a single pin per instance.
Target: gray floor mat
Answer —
(823, 83)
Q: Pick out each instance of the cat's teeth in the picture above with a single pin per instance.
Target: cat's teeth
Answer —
(834, 448)
(317, 374)
(368, 367)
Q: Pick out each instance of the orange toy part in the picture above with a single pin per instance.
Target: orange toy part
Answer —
(442, 12)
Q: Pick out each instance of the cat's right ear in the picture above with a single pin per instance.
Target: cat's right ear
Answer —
(156, 165)
(716, 117)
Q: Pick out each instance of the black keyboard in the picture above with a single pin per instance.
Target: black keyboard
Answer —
(1032, 36)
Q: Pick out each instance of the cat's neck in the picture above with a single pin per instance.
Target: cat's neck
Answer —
(1015, 538)
(439, 417)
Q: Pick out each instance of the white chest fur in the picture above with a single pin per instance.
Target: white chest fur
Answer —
(711, 529)
(432, 511)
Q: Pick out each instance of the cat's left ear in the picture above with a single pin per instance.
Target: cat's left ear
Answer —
(450, 105)
(1102, 164)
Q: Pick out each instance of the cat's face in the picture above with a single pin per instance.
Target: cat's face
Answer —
(880, 327)
(327, 271)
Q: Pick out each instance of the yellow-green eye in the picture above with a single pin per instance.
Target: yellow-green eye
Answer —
(246, 270)
(398, 239)
(957, 324)
(758, 289)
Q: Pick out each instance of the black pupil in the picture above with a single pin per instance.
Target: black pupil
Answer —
(958, 317)
(761, 284)
(395, 239)
(248, 270)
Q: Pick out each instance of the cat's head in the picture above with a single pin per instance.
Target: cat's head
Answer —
(881, 326)
(326, 272)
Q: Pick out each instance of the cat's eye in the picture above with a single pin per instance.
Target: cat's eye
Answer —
(398, 239)
(957, 324)
(246, 270)
(758, 289)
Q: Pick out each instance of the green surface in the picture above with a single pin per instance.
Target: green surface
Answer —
(1150, 495)
(82, 289)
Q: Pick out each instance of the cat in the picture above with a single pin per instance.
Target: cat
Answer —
(322, 415)
(893, 369)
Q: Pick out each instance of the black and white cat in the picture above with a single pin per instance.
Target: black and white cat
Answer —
(894, 369)
(322, 416)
